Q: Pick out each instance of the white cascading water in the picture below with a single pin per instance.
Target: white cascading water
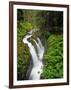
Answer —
(37, 56)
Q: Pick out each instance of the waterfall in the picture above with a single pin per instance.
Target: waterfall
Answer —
(40, 48)
(37, 56)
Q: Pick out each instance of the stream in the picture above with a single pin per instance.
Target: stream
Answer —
(36, 55)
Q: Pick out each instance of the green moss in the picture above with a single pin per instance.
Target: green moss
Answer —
(23, 54)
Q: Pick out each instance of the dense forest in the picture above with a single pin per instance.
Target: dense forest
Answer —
(50, 25)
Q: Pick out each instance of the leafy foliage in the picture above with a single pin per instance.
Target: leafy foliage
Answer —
(22, 50)
(53, 58)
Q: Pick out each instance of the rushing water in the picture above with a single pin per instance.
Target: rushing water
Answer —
(37, 56)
